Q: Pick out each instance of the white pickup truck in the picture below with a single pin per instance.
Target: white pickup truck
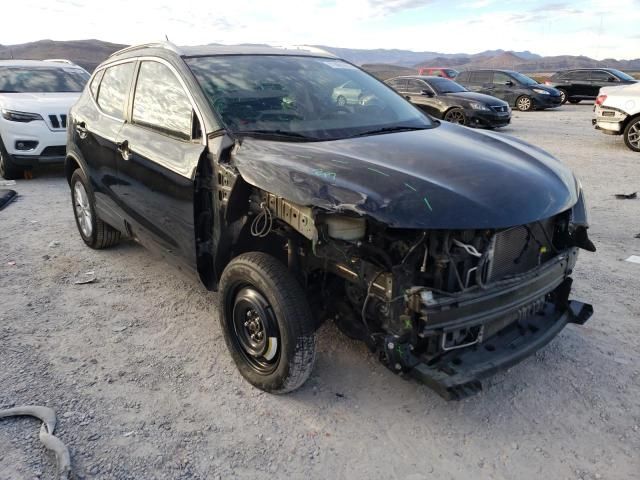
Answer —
(617, 112)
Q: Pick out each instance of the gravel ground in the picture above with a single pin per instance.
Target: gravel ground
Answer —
(137, 370)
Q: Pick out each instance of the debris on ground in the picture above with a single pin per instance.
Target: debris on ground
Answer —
(54, 244)
(637, 235)
(626, 196)
(6, 197)
(633, 259)
(48, 439)
(86, 277)
(7, 183)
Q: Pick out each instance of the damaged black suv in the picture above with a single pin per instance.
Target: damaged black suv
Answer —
(448, 251)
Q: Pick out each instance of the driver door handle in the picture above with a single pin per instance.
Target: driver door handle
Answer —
(123, 149)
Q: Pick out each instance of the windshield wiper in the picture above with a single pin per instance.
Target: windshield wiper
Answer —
(276, 133)
(397, 128)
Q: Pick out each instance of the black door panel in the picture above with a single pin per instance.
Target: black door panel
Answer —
(155, 189)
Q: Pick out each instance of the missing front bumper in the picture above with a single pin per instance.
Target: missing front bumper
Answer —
(458, 374)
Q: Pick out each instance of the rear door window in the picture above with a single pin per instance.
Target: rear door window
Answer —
(160, 102)
(114, 89)
(581, 75)
(416, 86)
(399, 84)
(481, 78)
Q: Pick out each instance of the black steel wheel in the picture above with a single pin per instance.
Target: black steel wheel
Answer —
(632, 135)
(456, 115)
(267, 323)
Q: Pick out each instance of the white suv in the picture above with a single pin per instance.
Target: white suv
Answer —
(617, 112)
(35, 97)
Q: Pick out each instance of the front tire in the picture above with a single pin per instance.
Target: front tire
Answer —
(267, 324)
(341, 101)
(563, 95)
(632, 135)
(524, 103)
(574, 101)
(94, 232)
(456, 115)
(8, 169)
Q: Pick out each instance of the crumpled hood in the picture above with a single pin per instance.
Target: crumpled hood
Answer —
(449, 177)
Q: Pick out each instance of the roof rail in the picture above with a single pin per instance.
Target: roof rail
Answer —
(164, 44)
(59, 60)
(307, 48)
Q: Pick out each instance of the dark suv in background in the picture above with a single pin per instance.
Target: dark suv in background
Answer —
(516, 89)
(585, 83)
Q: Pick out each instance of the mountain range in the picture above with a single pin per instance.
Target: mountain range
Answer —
(89, 53)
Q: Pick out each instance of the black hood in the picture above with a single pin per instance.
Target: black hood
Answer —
(476, 97)
(449, 177)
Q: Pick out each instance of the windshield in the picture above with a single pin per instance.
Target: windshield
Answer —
(452, 73)
(621, 75)
(444, 85)
(42, 79)
(523, 79)
(304, 97)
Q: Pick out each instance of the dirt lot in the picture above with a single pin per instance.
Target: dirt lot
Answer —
(138, 372)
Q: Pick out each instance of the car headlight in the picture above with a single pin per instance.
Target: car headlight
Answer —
(24, 117)
(478, 106)
(541, 92)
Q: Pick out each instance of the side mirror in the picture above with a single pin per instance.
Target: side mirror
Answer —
(427, 93)
(509, 83)
(612, 80)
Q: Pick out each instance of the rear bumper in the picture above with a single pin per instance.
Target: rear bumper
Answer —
(457, 374)
(609, 120)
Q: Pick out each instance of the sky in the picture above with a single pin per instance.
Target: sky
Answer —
(595, 28)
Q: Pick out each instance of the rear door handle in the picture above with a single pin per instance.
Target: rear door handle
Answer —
(81, 128)
(123, 149)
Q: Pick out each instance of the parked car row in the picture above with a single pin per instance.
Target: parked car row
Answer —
(483, 98)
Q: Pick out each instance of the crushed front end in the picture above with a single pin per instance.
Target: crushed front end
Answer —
(447, 307)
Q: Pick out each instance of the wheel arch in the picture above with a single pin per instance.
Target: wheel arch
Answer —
(72, 162)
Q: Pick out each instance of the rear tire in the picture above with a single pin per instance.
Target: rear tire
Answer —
(94, 232)
(267, 323)
(524, 103)
(574, 101)
(8, 169)
(632, 135)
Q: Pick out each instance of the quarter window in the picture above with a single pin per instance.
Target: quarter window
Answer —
(114, 89)
(95, 83)
(160, 102)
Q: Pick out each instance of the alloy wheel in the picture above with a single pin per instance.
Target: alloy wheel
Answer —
(524, 104)
(456, 117)
(633, 136)
(82, 209)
